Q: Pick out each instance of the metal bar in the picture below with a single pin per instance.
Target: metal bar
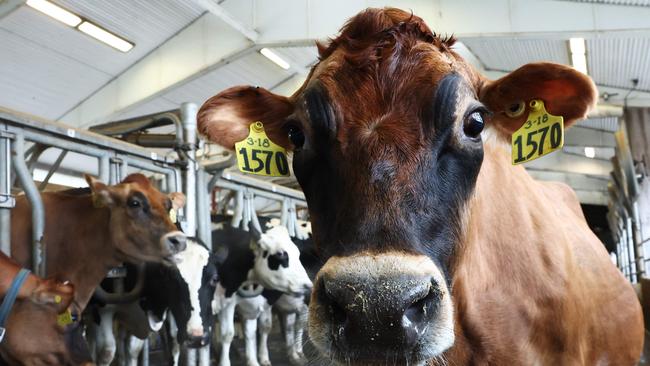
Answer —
(188, 117)
(34, 197)
(637, 241)
(6, 199)
(105, 169)
(33, 124)
(261, 193)
(203, 220)
(54, 167)
(262, 185)
(145, 353)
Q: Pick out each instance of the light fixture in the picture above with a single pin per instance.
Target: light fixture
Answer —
(105, 36)
(578, 54)
(275, 58)
(55, 12)
(590, 152)
(80, 24)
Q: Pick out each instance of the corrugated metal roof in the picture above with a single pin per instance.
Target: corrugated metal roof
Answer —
(509, 54)
(616, 61)
(36, 80)
(605, 124)
(615, 2)
(52, 67)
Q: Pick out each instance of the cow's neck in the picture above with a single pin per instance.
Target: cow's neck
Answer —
(506, 254)
(79, 242)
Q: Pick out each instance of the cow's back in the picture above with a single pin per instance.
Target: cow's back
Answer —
(535, 284)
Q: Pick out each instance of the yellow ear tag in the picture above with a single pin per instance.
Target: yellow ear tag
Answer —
(541, 134)
(97, 201)
(172, 215)
(257, 154)
(65, 318)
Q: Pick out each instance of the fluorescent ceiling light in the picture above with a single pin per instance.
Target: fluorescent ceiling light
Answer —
(55, 12)
(275, 58)
(590, 152)
(577, 45)
(105, 36)
(578, 54)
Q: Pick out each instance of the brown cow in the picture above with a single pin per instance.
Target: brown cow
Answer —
(40, 291)
(439, 249)
(87, 232)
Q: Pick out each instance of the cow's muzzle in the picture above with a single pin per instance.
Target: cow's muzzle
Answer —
(174, 241)
(370, 308)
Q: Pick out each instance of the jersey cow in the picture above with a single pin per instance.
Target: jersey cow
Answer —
(438, 248)
(87, 232)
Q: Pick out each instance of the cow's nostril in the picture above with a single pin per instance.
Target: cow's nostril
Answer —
(177, 243)
(422, 309)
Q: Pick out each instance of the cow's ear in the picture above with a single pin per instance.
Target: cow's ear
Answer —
(178, 200)
(101, 192)
(564, 91)
(225, 118)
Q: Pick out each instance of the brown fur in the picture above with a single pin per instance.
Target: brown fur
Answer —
(36, 289)
(531, 283)
(83, 242)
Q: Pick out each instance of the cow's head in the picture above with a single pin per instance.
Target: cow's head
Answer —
(388, 143)
(277, 262)
(140, 223)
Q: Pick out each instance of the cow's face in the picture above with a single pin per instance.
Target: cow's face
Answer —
(140, 223)
(277, 262)
(198, 271)
(388, 143)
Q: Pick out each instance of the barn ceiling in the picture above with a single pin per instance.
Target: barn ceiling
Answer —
(187, 50)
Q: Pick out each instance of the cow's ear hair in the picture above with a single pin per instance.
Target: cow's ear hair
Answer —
(226, 117)
(101, 192)
(178, 200)
(565, 92)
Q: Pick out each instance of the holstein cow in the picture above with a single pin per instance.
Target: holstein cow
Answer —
(87, 232)
(258, 269)
(40, 291)
(437, 247)
(185, 290)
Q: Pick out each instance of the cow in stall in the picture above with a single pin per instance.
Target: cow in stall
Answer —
(87, 232)
(438, 249)
(49, 292)
(259, 268)
(185, 291)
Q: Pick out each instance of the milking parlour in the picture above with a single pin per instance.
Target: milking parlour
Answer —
(359, 183)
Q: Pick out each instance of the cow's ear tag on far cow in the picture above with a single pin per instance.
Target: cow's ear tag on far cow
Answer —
(64, 318)
(257, 154)
(541, 134)
(172, 216)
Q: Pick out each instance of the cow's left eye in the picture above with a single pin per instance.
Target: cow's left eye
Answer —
(473, 125)
(296, 136)
(133, 203)
(213, 280)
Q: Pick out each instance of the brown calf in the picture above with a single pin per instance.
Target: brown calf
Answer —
(439, 249)
(87, 232)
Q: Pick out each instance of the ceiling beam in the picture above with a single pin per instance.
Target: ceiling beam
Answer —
(226, 17)
(572, 163)
(204, 45)
(590, 190)
(8, 6)
(287, 20)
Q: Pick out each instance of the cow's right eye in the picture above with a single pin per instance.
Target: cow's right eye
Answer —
(133, 203)
(296, 136)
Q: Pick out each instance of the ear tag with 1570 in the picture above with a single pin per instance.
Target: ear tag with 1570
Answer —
(541, 134)
(257, 154)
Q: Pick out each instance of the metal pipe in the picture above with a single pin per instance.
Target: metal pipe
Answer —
(34, 197)
(123, 297)
(104, 170)
(261, 193)
(188, 117)
(638, 241)
(54, 167)
(262, 185)
(6, 199)
(145, 353)
(203, 220)
(153, 140)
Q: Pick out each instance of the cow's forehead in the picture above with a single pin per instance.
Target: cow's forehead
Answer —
(277, 239)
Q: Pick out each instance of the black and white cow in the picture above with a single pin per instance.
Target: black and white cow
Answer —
(185, 290)
(259, 268)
